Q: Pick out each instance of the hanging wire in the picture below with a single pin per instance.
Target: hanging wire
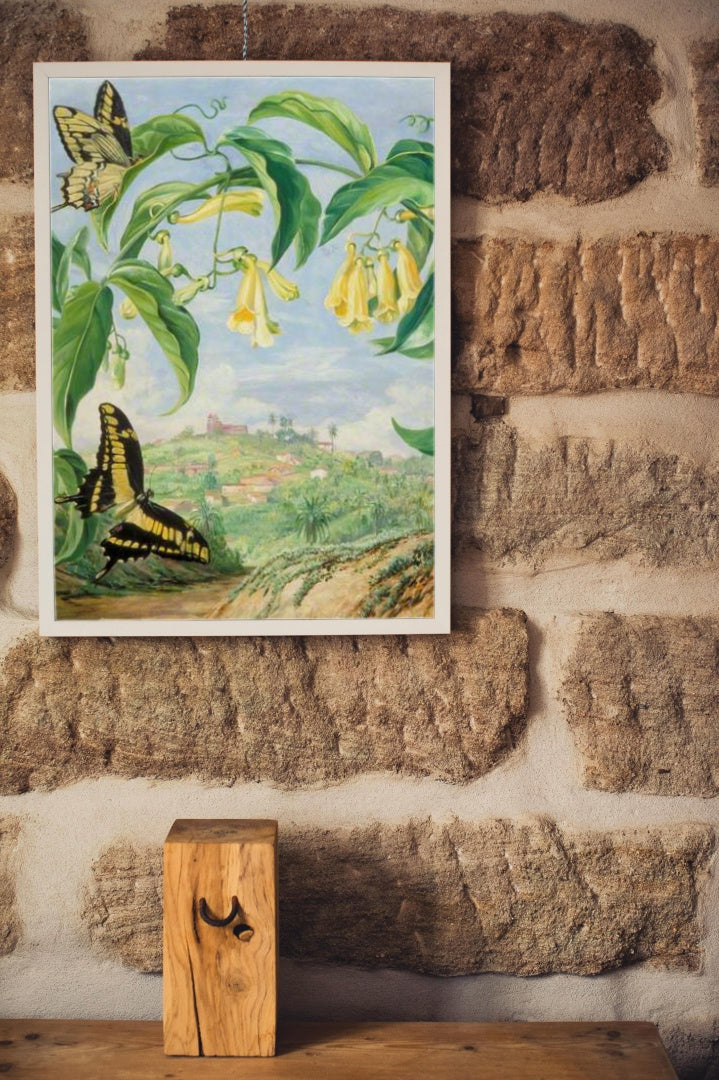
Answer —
(244, 29)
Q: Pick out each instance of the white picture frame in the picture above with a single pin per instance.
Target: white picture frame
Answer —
(78, 282)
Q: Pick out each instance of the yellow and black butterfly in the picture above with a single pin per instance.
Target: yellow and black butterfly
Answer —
(100, 147)
(118, 480)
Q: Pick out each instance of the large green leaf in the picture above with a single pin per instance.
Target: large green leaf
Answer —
(69, 470)
(153, 205)
(414, 157)
(328, 115)
(79, 342)
(287, 188)
(150, 141)
(420, 235)
(57, 248)
(421, 439)
(74, 253)
(309, 230)
(173, 327)
(417, 325)
(387, 185)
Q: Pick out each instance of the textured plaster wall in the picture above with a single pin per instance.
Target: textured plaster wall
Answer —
(56, 968)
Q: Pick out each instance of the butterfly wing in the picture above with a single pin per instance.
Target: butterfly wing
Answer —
(86, 139)
(86, 185)
(118, 480)
(110, 114)
(118, 476)
(100, 147)
(151, 529)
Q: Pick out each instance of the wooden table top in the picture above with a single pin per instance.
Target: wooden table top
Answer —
(124, 1050)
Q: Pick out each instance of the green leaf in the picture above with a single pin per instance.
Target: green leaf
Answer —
(74, 253)
(173, 327)
(287, 188)
(154, 205)
(309, 230)
(79, 342)
(414, 157)
(419, 240)
(328, 115)
(421, 439)
(150, 141)
(57, 248)
(414, 352)
(69, 470)
(418, 320)
(387, 185)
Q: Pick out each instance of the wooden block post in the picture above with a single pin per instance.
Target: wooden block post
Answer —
(220, 981)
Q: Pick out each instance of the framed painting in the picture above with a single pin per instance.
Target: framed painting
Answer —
(243, 348)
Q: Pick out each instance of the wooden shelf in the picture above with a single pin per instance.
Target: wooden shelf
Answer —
(119, 1050)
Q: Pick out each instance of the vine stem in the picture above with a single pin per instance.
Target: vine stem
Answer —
(329, 165)
(374, 233)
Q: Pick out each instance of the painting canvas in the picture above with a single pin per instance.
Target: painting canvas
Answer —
(243, 348)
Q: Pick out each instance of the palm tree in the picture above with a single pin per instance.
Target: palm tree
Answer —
(272, 421)
(312, 519)
(332, 432)
(208, 520)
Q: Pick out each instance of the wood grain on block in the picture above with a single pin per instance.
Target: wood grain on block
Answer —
(220, 981)
(520, 897)
(591, 499)
(539, 102)
(74, 1049)
(536, 317)
(642, 699)
(291, 711)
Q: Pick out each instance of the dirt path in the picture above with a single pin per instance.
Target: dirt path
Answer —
(188, 602)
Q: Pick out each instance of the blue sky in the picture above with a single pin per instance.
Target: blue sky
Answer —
(316, 371)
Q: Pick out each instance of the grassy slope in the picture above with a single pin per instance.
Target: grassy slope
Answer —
(364, 503)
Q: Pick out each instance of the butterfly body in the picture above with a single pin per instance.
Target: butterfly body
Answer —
(99, 146)
(117, 480)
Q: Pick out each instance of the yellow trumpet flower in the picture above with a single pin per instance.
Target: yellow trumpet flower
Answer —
(410, 215)
(188, 292)
(408, 279)
(280, 285)
(387, 310)
(249, 201)
(371, 278)
(336, 299)
(165, 260)
(356, 318)
(250, 315)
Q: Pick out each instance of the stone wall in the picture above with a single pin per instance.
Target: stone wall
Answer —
(533, 795)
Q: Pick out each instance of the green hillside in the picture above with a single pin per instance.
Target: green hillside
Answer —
(257, 497)
(263, 491)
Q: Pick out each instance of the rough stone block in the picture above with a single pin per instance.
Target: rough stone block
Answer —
(521, 897)
(535, 318)
(705, 61)
(289, 710)
(515, 500)
(30, 33)
(540, 102)
(17, 303)
(9, 918)
(8, 520)
(642, 698)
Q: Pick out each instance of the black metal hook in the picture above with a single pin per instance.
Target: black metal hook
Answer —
(206, 917)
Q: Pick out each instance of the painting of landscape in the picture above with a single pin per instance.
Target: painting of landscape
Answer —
(244, 388)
